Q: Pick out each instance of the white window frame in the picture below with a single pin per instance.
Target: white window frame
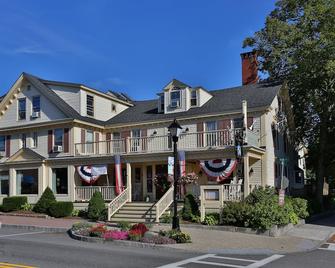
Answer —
(32, 104)
(23, 140)
(194, 98)
(18, 109)
(61, 130)
(177, 100)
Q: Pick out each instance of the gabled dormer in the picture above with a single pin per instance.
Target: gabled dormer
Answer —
(177, 96)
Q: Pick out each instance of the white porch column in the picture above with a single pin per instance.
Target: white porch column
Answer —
(144, 181)
(153, 185)
(128, 168)
(246, 175)
(71, 182)
(12, 182)
(42, 179)
(245, 119)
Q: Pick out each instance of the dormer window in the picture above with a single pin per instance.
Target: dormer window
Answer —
(175, 98)
(194, 101)
(90, 105)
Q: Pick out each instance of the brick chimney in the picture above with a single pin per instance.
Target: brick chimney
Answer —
(249, 68)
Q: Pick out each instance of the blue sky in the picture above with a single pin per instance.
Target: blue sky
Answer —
(134, 46)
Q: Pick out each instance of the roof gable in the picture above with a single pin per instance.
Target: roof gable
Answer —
(25, 154)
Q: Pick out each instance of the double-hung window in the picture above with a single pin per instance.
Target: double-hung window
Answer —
(36, 104)
(58, 137)
(89, 140)
(211, 133)
(175, 98)
(2, 143)
(22, 109)
(90, 105)
(194, 101)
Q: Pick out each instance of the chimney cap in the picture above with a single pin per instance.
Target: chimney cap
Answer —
(248, 54)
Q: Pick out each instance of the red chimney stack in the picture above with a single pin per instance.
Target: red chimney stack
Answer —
(249, 68)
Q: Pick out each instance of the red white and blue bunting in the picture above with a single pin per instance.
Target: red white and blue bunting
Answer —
(91, 174)
(218, 169)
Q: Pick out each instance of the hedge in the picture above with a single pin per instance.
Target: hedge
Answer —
(13, 203)
(61, 209)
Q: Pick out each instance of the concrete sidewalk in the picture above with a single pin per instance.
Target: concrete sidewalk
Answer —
(301, 238)
(38, 223)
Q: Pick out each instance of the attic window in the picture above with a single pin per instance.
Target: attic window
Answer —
(162, 102)
(90, 105)
(193, 98)
(113, 107)
(175, 98)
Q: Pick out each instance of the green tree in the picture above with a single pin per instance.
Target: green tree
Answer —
(45, 201)
(297, 47)
(96, 206)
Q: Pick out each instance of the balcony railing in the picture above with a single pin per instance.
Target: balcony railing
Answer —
(163, 143)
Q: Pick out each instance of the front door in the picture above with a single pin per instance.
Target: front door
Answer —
(137, 185)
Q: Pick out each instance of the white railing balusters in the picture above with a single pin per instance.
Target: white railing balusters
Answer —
(84, 193)
(164, 203)
(118, 202)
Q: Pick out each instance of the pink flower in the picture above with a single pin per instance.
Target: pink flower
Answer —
(116, 235)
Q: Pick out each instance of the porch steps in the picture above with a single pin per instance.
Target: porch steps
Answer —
(136, 212)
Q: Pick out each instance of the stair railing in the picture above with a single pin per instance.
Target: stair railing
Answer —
(118, 202)
(164, 203)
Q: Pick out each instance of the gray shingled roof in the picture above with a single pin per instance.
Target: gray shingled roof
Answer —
(223, 101)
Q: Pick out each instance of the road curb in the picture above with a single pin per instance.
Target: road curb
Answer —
(35, 228)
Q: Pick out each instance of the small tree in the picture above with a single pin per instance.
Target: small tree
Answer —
(45, 201)
(190, 208)
(96, 206)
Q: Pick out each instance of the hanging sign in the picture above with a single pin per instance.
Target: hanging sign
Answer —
(281, 200)
(170, 165)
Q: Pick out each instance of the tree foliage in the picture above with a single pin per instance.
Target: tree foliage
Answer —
(297, 47)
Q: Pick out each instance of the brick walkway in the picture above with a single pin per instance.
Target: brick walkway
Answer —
(29, 221)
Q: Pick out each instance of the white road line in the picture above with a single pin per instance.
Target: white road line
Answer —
(177, 264)
(234, 259)
(218, 264)
(21, 234)
(261, 263)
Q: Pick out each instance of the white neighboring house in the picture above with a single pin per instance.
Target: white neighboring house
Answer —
(48, 128)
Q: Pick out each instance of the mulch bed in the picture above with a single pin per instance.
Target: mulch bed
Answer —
(23, 213)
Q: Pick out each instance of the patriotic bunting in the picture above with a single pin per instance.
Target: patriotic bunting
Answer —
(85, 173)
(218, 169)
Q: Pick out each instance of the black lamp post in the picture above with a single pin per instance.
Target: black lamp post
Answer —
(175, 130)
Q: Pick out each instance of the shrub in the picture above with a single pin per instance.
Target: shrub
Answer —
(236, 213)
(166, 218)
(61, 209)
(116, 235)
(135, 235)
(13, 203)
(75, 212)
(81, 225)
(104, 215)
(96, 206)
(196, 218)
(190, 207)
(157, 239)
(98, 230)
(124, 225)
(260, 194)
(141, 227)
(45, 201)
(179, 236)
(212, 219)
(300, 207)
(27, 207)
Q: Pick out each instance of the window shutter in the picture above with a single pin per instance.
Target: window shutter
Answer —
(224, 124)
(200, 136)
(83, 136)
(250, 121)
(8, 146)
(125, 135)
(50, 141)
(66, 140)
(97, 139)
(108, 136)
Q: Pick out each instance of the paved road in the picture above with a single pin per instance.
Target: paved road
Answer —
(38, 249)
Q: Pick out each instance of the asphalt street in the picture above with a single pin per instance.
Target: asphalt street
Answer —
(25, 249)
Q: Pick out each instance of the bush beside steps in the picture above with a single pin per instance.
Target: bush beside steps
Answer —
(13, 203)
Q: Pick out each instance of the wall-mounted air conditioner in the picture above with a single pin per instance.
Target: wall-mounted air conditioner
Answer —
(35, 114)
(57, 149)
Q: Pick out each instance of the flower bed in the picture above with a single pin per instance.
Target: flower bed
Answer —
(136, 233)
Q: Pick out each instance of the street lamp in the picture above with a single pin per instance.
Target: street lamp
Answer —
(175, 130)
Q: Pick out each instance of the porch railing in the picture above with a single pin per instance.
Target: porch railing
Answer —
(84, 193)
(164, 203)
(118, 202)
(212, 197)
(162, 143)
